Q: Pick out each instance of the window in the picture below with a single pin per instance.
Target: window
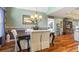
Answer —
(51, 24)
(1, 22)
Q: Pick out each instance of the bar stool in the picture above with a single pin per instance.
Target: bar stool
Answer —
(53, 37)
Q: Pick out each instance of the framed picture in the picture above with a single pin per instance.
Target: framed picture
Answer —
(26, 19)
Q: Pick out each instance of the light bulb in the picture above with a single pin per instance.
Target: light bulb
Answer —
(40, 17)
(36, 16)
(32, 17)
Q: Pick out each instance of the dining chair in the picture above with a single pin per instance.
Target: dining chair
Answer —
(21, 38)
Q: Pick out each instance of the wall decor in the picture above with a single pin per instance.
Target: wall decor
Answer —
(26, 19)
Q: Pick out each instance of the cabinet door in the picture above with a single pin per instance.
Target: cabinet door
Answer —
(39, 40)
(35, 41)
(67, 27)
(45, 40)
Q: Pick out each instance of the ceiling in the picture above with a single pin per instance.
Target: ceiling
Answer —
(66, 12)
(46, 10)
(40, 9)
(55, 11)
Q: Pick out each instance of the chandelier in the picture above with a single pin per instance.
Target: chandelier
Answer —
(33, 19)
(36, 17)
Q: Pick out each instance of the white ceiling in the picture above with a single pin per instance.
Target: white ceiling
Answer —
(46, 10)
(65, 11)
(54, 11)
(40, 9)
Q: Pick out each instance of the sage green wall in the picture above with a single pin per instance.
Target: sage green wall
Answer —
(14, 18)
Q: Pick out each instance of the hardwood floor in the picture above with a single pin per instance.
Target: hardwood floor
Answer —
(63, 43)
(8, 47)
